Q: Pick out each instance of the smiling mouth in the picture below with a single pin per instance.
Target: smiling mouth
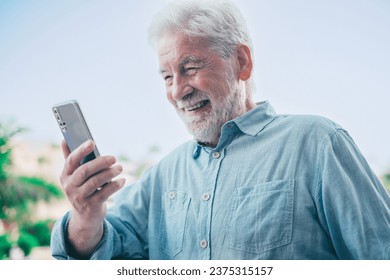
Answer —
(196, 106)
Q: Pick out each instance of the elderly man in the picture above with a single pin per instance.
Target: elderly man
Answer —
(252, 185)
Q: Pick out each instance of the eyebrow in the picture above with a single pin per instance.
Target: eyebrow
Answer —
(186, 60)
(191, 59)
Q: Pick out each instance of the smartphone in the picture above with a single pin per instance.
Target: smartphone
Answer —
(73, 126)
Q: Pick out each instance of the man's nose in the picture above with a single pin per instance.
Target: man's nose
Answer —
(180, 88)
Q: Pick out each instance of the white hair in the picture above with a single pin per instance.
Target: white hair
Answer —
(219, 21)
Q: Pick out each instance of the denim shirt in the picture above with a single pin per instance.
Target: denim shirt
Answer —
(275, 187)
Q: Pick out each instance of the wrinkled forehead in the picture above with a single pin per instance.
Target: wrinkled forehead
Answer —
(175, 42)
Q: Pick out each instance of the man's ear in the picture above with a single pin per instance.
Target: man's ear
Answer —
(245, 62)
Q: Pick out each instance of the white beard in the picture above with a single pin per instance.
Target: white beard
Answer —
(206, 128)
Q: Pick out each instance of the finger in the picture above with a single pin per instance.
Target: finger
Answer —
(65, 149)
(81, 198)
(101, 196)
(74, 158)
(89, 169)
(100, 180)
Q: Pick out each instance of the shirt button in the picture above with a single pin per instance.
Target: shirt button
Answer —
(206, 196)
(172, 195)
(216, 155)
(203, 244)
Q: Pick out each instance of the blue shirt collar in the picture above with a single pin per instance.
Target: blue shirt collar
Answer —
(256, 119)
(251, 123)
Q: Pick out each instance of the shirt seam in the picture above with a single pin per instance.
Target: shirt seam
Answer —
(320, 164)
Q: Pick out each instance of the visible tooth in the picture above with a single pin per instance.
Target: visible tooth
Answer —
(196, 106)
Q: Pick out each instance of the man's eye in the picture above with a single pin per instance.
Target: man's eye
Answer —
(167, 78)
(191, 70)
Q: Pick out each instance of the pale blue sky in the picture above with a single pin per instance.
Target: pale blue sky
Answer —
(326, 57)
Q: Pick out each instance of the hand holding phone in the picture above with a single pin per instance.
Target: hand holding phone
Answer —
(82, 179)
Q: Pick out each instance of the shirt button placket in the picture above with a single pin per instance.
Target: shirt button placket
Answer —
(209, 181)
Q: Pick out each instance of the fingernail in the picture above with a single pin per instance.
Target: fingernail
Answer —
(111, 159)
(88, 144)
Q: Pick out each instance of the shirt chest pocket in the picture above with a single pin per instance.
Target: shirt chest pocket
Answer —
(261, 216)
(173, 221)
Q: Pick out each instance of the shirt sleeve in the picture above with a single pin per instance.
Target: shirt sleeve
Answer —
(353, 206)
(58, 237)
(121, 238)
(61, 249)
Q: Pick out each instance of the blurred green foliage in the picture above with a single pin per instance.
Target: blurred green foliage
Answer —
(26, 242)
(5, 246)
(18, 195)
(40, 230)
